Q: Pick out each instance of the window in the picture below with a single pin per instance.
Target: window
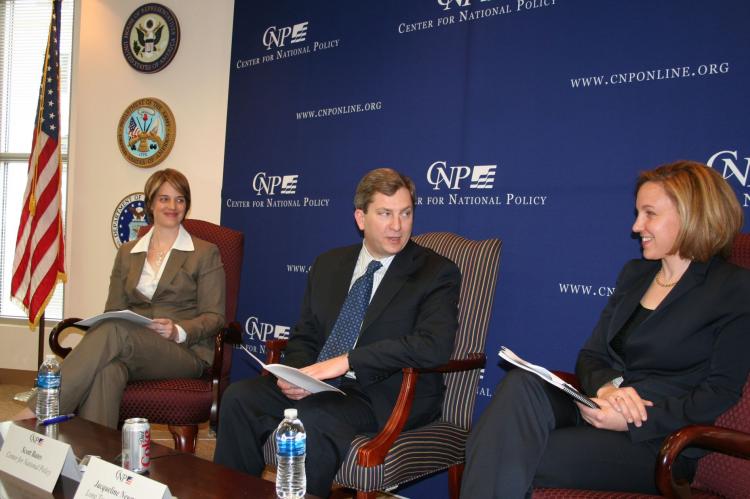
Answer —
(24, 25)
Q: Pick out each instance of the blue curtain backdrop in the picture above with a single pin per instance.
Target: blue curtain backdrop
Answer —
(525, 120)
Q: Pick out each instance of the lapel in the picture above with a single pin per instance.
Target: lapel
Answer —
(342, 280)
(138, 260)
(630, 301)
(174, 264)
(398, 273)
(694, 275)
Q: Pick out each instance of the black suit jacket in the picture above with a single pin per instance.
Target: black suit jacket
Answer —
(689, 357)
(410, 322)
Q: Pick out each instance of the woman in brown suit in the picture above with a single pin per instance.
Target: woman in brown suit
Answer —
(168, 275)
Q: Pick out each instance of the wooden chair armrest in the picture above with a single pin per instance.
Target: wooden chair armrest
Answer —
(373, 452)
(54, 336)
(231, 334)
(714, 438)
(273, 350)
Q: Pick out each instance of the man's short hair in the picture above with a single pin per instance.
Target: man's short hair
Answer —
(710, 215)
(385, 181)
(154, 183)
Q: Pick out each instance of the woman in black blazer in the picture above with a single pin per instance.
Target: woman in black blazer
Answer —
(670, 349)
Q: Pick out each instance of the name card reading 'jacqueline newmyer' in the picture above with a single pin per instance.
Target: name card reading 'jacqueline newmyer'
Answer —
(103, 479)
(37, 459)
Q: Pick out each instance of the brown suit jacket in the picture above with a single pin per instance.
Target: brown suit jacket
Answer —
(190, 292)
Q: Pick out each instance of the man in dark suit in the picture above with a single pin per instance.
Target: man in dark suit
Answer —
(410, 321)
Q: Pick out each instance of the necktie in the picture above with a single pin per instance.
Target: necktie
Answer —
(349, 321)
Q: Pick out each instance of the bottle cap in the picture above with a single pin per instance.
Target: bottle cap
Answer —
(50, 356)
(290, 413)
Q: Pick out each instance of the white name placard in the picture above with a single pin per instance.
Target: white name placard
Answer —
(105, 480)
(37, 459)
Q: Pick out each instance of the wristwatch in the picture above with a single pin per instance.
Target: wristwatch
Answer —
(617, 381)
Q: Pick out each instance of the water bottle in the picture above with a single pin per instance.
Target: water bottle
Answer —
(290, 457)
(48, 389)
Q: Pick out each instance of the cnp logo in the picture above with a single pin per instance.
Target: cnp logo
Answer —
(123, 477)
(261, 331)
(446, 4)
(439, 173)
(277, 37)
(729, 166)
(36, 439)
(267, 184)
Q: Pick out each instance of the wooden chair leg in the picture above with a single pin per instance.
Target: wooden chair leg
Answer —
(185, 437)
(455, 473)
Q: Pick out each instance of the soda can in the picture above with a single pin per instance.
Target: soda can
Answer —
(136, 445)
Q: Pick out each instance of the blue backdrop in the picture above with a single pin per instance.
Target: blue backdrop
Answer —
(526, 120)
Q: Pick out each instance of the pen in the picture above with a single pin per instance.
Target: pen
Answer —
(58, 419)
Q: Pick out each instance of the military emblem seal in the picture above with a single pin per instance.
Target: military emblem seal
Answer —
(128, 218)
(146, 132)
(150, 38)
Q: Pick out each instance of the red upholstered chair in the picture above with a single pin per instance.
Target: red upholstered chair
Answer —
(394, 457)
(722, 473)
(183, 404)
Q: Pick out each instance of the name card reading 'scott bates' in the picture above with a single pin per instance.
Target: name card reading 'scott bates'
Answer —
(105, 480)
(37, 459)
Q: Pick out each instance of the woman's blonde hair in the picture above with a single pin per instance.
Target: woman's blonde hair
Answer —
(710, 215)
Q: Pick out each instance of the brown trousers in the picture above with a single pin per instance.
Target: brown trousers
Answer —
(94, 374)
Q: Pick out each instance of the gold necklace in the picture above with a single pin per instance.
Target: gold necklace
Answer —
(663, 284)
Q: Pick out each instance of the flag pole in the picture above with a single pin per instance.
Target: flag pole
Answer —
(39, 261)
(40, 347)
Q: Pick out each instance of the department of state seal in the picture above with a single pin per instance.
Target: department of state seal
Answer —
(146, 132)
(150, 38)
(128, 218)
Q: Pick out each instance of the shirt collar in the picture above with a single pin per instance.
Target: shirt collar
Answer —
(367, 257)
(184, 242)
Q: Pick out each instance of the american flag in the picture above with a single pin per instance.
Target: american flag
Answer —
(39, 261)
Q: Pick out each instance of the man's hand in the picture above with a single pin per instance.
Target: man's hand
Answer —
(291, 391)
(328, 369)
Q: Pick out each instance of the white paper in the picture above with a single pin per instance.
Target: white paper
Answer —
(103, 479)
(547, 376)
(37, 459)
(117, 314)
(294, 376)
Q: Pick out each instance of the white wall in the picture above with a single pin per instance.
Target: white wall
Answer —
(194, 86)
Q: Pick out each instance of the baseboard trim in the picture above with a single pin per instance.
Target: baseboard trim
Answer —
(17, 377)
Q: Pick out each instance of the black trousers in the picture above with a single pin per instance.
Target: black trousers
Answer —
(532, 435)
(251, 409)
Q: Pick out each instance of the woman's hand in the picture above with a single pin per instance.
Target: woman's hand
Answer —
(626, 401)
(165, 328)
(604, 418)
